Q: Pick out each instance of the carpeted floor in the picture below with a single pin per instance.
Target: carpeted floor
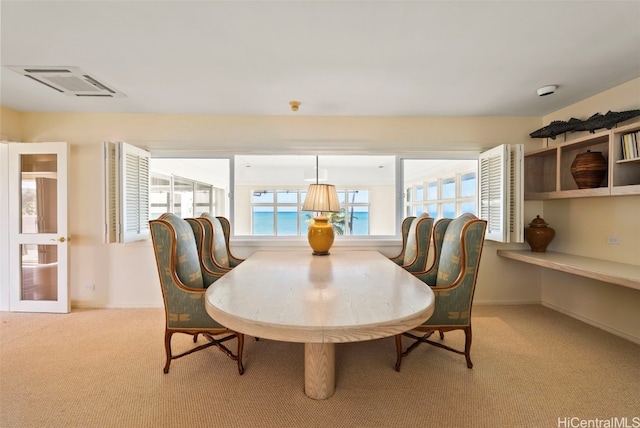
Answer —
(533, 367)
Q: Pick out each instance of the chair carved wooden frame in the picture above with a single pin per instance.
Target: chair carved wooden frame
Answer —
(458, 247)
(416, 239)
(183, 284)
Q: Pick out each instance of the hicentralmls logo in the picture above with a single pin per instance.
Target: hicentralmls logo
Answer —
(614, 422)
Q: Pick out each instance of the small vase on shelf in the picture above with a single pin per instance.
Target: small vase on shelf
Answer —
(539, 235)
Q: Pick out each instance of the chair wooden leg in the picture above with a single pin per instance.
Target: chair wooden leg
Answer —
(239, 352)
(167, 349)
(425, 339)
(467, 346)
(398, 351)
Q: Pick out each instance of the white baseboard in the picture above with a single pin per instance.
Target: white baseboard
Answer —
(119, 306)
(505, 302)
(594, 323)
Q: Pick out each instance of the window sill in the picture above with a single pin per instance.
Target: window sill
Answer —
(301, 242)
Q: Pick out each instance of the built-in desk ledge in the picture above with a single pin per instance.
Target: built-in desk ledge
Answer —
(603, 270)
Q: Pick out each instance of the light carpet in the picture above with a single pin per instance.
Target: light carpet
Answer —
(533, 367)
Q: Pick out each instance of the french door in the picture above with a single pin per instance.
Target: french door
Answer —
(38, 234)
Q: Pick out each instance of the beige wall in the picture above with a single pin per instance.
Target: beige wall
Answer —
(10, 125)
(125, 275)
(582, 226)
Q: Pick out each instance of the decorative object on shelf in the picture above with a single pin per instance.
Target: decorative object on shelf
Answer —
(556, 127)
(588, 169)
(321, 198)
(539, 235)
(629, 145)
(593, 123)
(608, 120)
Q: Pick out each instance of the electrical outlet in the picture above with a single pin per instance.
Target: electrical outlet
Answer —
(613, 240)
(90, 287)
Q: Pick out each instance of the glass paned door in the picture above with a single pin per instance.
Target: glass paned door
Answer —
(38, 223)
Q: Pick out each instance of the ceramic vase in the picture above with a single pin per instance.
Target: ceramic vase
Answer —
(588, 169)
(539, 235)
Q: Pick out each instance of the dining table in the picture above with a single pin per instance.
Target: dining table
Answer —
(294, 296)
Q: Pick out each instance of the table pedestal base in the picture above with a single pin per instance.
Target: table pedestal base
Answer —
(319, 370)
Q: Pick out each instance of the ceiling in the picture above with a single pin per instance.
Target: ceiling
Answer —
(339, 58)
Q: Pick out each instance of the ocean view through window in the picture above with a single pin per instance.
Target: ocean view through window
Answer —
(262, 195)
(279, 213)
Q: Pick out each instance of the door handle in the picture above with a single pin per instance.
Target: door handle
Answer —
(60, 239)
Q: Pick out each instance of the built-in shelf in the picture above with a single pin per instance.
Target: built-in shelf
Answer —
(623, 274)
(628, 160)
(547, 171)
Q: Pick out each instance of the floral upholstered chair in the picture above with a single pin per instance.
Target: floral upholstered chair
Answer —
(458, 246)
(416, 238)
(184, 283)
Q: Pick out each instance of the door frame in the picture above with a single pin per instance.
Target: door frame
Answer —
(4, 226)
(60, 238)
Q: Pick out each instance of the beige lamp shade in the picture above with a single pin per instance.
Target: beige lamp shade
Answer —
(321, 198)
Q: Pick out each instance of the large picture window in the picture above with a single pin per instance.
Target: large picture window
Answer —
(263, 195)
(269, 192)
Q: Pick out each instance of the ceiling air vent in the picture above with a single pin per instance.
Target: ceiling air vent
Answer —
(70, 81)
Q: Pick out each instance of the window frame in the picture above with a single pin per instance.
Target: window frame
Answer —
(230, 209)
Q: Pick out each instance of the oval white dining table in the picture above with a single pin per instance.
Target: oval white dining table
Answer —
(294, 296)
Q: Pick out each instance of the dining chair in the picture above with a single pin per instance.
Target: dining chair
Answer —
(458, 247)
(203, 233)
(184, 283)
(416, 239)
(215, 249)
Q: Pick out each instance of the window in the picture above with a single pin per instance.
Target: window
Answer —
(269, 193)
(160, 196)
(279, 212)
(355, 211)
(450, 185)
(182, 196)
(276, 212)
(263, 194)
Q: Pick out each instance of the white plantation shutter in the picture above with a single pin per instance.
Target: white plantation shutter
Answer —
(134, 181)
(111, 192)
(500, 192)
(127, 193)
(516, 182)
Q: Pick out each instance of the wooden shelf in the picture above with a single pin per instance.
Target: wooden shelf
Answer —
(548, 170)
(628, 160)
(623, 274)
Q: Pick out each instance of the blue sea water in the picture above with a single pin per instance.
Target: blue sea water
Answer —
(263, 223)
